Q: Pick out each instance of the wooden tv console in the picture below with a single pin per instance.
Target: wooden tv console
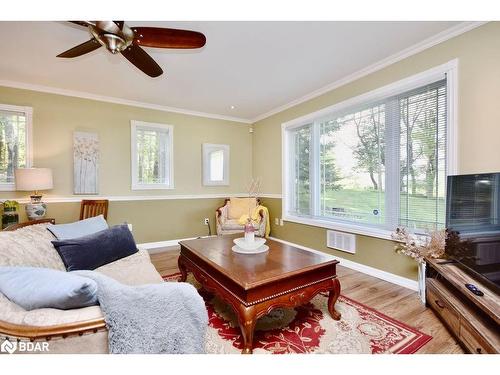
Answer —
(473, 320)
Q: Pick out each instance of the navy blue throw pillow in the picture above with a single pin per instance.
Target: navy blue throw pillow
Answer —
(97, 249)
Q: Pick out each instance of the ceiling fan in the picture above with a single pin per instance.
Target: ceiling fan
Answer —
(117, 37)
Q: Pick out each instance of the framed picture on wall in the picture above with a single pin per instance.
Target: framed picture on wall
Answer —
(85, 163)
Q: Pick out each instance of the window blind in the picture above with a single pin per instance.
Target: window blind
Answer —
(380, 163)
(422, 156)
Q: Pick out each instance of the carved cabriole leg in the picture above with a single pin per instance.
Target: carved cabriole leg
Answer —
(182, 268)
(247, 320)
(332, 298)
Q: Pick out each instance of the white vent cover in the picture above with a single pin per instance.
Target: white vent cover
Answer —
(341, 241)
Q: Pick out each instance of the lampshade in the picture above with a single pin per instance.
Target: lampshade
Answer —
(31, 179)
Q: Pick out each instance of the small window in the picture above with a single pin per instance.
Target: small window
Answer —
(152, 156)
(15, 143)
(215, 164)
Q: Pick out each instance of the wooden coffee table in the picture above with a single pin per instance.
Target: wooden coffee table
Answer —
(253, 285)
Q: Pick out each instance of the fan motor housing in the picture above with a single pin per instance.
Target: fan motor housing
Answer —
(113, 42)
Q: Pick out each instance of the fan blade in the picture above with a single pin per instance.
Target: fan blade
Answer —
(119, 24)
(81, 49)
(137, 56)
(83, 23)
(168, 38)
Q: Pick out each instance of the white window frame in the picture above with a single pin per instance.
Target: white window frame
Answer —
(28, 112)
(134, 124)
(207, 149)
(448, 70)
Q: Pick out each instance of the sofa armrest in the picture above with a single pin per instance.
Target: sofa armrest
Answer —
(12, 315)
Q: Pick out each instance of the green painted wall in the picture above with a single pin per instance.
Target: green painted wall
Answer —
(56, 117)
(152, 220)
(478, 55)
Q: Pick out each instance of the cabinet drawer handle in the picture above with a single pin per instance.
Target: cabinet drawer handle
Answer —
(478, 350)
(439, 304)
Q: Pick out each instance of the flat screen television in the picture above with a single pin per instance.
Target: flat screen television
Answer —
(473, 223)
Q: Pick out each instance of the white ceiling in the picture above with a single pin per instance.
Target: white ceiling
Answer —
(254, 66)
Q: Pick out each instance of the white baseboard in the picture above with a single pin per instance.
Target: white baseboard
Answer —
(157, 247)
(375, 272)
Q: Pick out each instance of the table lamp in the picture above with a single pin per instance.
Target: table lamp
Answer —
(34, 179)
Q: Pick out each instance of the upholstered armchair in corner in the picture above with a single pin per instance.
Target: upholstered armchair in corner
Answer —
(232, 216)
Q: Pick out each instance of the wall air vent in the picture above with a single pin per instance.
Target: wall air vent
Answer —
(341, 241)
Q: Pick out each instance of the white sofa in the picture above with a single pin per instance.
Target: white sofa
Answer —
(68, 331)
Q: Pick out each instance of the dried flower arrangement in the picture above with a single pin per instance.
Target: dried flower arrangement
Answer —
(254, 187)
(253, 192)
(420, 246)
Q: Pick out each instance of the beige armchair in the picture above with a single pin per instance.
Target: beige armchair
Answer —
(229, 216)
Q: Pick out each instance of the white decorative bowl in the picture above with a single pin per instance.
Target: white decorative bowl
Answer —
(259, 250)
(241, 243)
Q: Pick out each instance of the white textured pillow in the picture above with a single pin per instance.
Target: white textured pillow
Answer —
(30, 247)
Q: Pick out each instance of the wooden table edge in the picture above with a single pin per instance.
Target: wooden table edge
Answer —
(248, 286)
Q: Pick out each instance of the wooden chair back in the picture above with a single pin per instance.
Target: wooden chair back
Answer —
(94, 207)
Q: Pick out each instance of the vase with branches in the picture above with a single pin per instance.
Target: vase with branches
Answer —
(253, 192)
(419, 247)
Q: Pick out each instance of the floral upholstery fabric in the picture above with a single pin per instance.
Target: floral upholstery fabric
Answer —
(29, 247)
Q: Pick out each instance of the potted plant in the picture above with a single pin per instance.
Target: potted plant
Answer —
(10, 215)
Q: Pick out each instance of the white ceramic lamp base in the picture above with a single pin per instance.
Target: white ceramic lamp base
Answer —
(36, 211)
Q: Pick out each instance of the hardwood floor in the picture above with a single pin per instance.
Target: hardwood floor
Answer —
(395, 301)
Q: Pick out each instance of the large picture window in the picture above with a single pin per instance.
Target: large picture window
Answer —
(15, 142)
(373, 163)
(152, 156)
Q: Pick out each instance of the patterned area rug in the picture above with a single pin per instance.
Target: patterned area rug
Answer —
(310, 329)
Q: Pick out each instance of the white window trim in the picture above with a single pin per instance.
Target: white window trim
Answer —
(206, 149)
(450, 69)
(134, 124)
(28, 111)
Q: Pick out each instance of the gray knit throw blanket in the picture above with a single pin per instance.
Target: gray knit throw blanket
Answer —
(156, 318)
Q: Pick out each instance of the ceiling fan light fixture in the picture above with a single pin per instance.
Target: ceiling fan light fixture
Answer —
(114, 43)
(117, 37)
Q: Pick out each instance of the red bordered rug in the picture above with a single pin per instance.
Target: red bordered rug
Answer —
(310, 329)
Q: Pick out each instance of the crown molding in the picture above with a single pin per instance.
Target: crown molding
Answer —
(407, 52)
(114, 100)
